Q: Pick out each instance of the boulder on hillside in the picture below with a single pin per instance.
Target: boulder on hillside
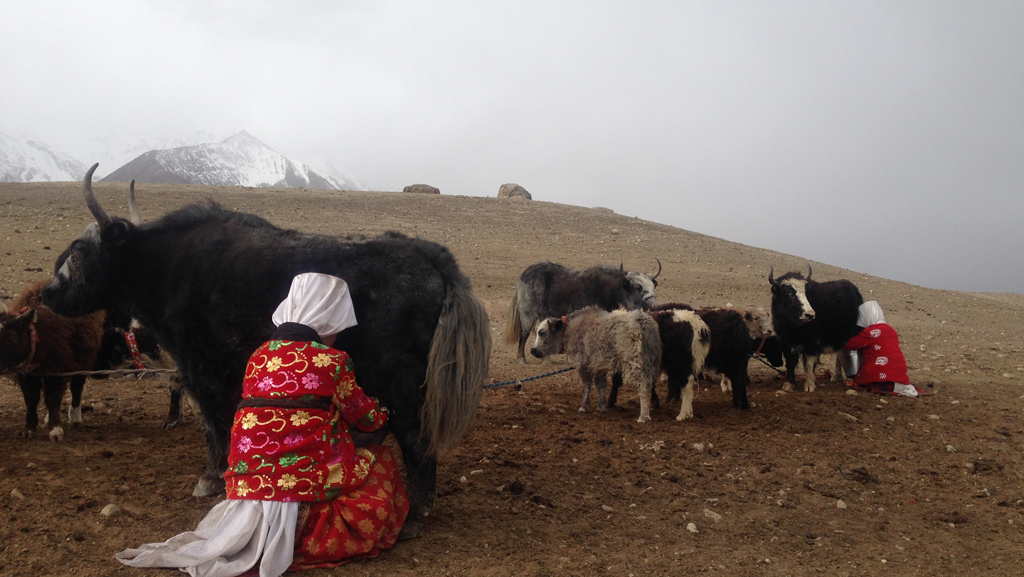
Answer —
(422, 189)
(513, 190)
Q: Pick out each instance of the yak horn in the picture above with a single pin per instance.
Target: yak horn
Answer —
(133, 207)
(102, 218)
(808, 271)
(659, 269)
(771, 275)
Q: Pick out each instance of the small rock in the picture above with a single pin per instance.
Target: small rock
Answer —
(111, 510)
(17, 494)
(712, 515)
(607, 509)
(950, 448)
(31, 465)
(463, 479)
(692, 528)
(848, 416)
(891, 419)
(969, 467)
(934, 417)
(851, 391)
(699, 447)
(840, 504)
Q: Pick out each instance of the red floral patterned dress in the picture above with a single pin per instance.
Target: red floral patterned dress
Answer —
(290, 442)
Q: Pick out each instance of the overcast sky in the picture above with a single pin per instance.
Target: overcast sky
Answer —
(884, 137)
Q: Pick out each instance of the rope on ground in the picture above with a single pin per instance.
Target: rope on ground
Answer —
(767, 364)
(521, 381)
(139, 372)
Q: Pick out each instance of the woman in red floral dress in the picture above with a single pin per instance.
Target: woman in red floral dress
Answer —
(882, 363)
(300, 493)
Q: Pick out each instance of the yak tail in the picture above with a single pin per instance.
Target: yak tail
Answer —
(456, 368)
(513, 324)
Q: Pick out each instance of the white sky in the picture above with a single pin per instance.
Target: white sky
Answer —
(885, 137)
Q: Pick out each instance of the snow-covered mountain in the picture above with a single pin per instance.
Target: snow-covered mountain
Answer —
(239, 160)
(26, 160)
(202, 158)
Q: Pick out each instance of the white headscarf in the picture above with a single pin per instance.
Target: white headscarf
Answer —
(869, 314)
(319, 301)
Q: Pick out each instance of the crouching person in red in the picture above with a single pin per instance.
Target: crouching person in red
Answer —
(300, 493)
(882, 363)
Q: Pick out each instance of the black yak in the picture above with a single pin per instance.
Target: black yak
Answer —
(206, 281)
(812, 318)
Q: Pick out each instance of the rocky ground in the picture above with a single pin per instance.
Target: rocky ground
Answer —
(833, 482)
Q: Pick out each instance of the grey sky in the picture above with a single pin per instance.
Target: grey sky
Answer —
(884, 137)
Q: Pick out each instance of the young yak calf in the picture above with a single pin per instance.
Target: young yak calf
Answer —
(601, 344)
(35, 342)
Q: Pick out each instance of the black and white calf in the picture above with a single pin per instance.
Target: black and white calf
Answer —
(601, 344)
(812, 318)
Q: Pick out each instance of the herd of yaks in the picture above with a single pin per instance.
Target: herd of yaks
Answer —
(204, 281)
(608, 322)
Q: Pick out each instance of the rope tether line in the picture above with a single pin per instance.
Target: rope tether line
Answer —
(521, 381)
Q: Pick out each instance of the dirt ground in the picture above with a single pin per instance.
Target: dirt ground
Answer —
(833, 482)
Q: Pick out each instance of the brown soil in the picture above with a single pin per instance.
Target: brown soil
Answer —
(931, 486)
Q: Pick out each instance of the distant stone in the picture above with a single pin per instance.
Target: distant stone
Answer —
(17, 494)
(513, 190)
(422, 189)
(607, 509)
(691, 527)
(712, 515)
(111, 510)
(840, 504)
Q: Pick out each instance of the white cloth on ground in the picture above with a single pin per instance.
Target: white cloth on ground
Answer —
(904, 390)
(321, 302)
(233, 537)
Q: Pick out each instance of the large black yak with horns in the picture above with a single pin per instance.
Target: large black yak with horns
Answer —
(812, 318)
(206, 281)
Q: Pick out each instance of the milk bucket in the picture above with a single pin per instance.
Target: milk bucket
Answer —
(850, 361)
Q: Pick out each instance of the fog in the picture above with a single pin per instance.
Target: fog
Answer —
(883, 137)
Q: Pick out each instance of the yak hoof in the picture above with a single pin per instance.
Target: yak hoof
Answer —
(583, 409)
(602, 409)
(28, 434)
(643, 418)
(169, 424)
(207, 488)
(788, 387)
(809, 387)
(75, 415)
(57, 434)
(413, 529)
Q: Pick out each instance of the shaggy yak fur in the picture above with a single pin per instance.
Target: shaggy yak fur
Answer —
(601, 344)
(64, 345)
(206, 281)
(812, 318)
(547, 289)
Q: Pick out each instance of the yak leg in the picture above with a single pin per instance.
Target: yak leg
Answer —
(53, 394)
(613, 396)
(740, 381)
(586, 378)
(810, 364)
(174, 411)
(421, 470)
(791, 357)
(644, 388)
(75, 410)
(839, 374)
(686, 400)
(218, 413)
(601, 383)
(31, 390)
(726, 384)
(521, 351)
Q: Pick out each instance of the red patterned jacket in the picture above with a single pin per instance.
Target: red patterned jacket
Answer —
(881, 357)
(299, 454)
